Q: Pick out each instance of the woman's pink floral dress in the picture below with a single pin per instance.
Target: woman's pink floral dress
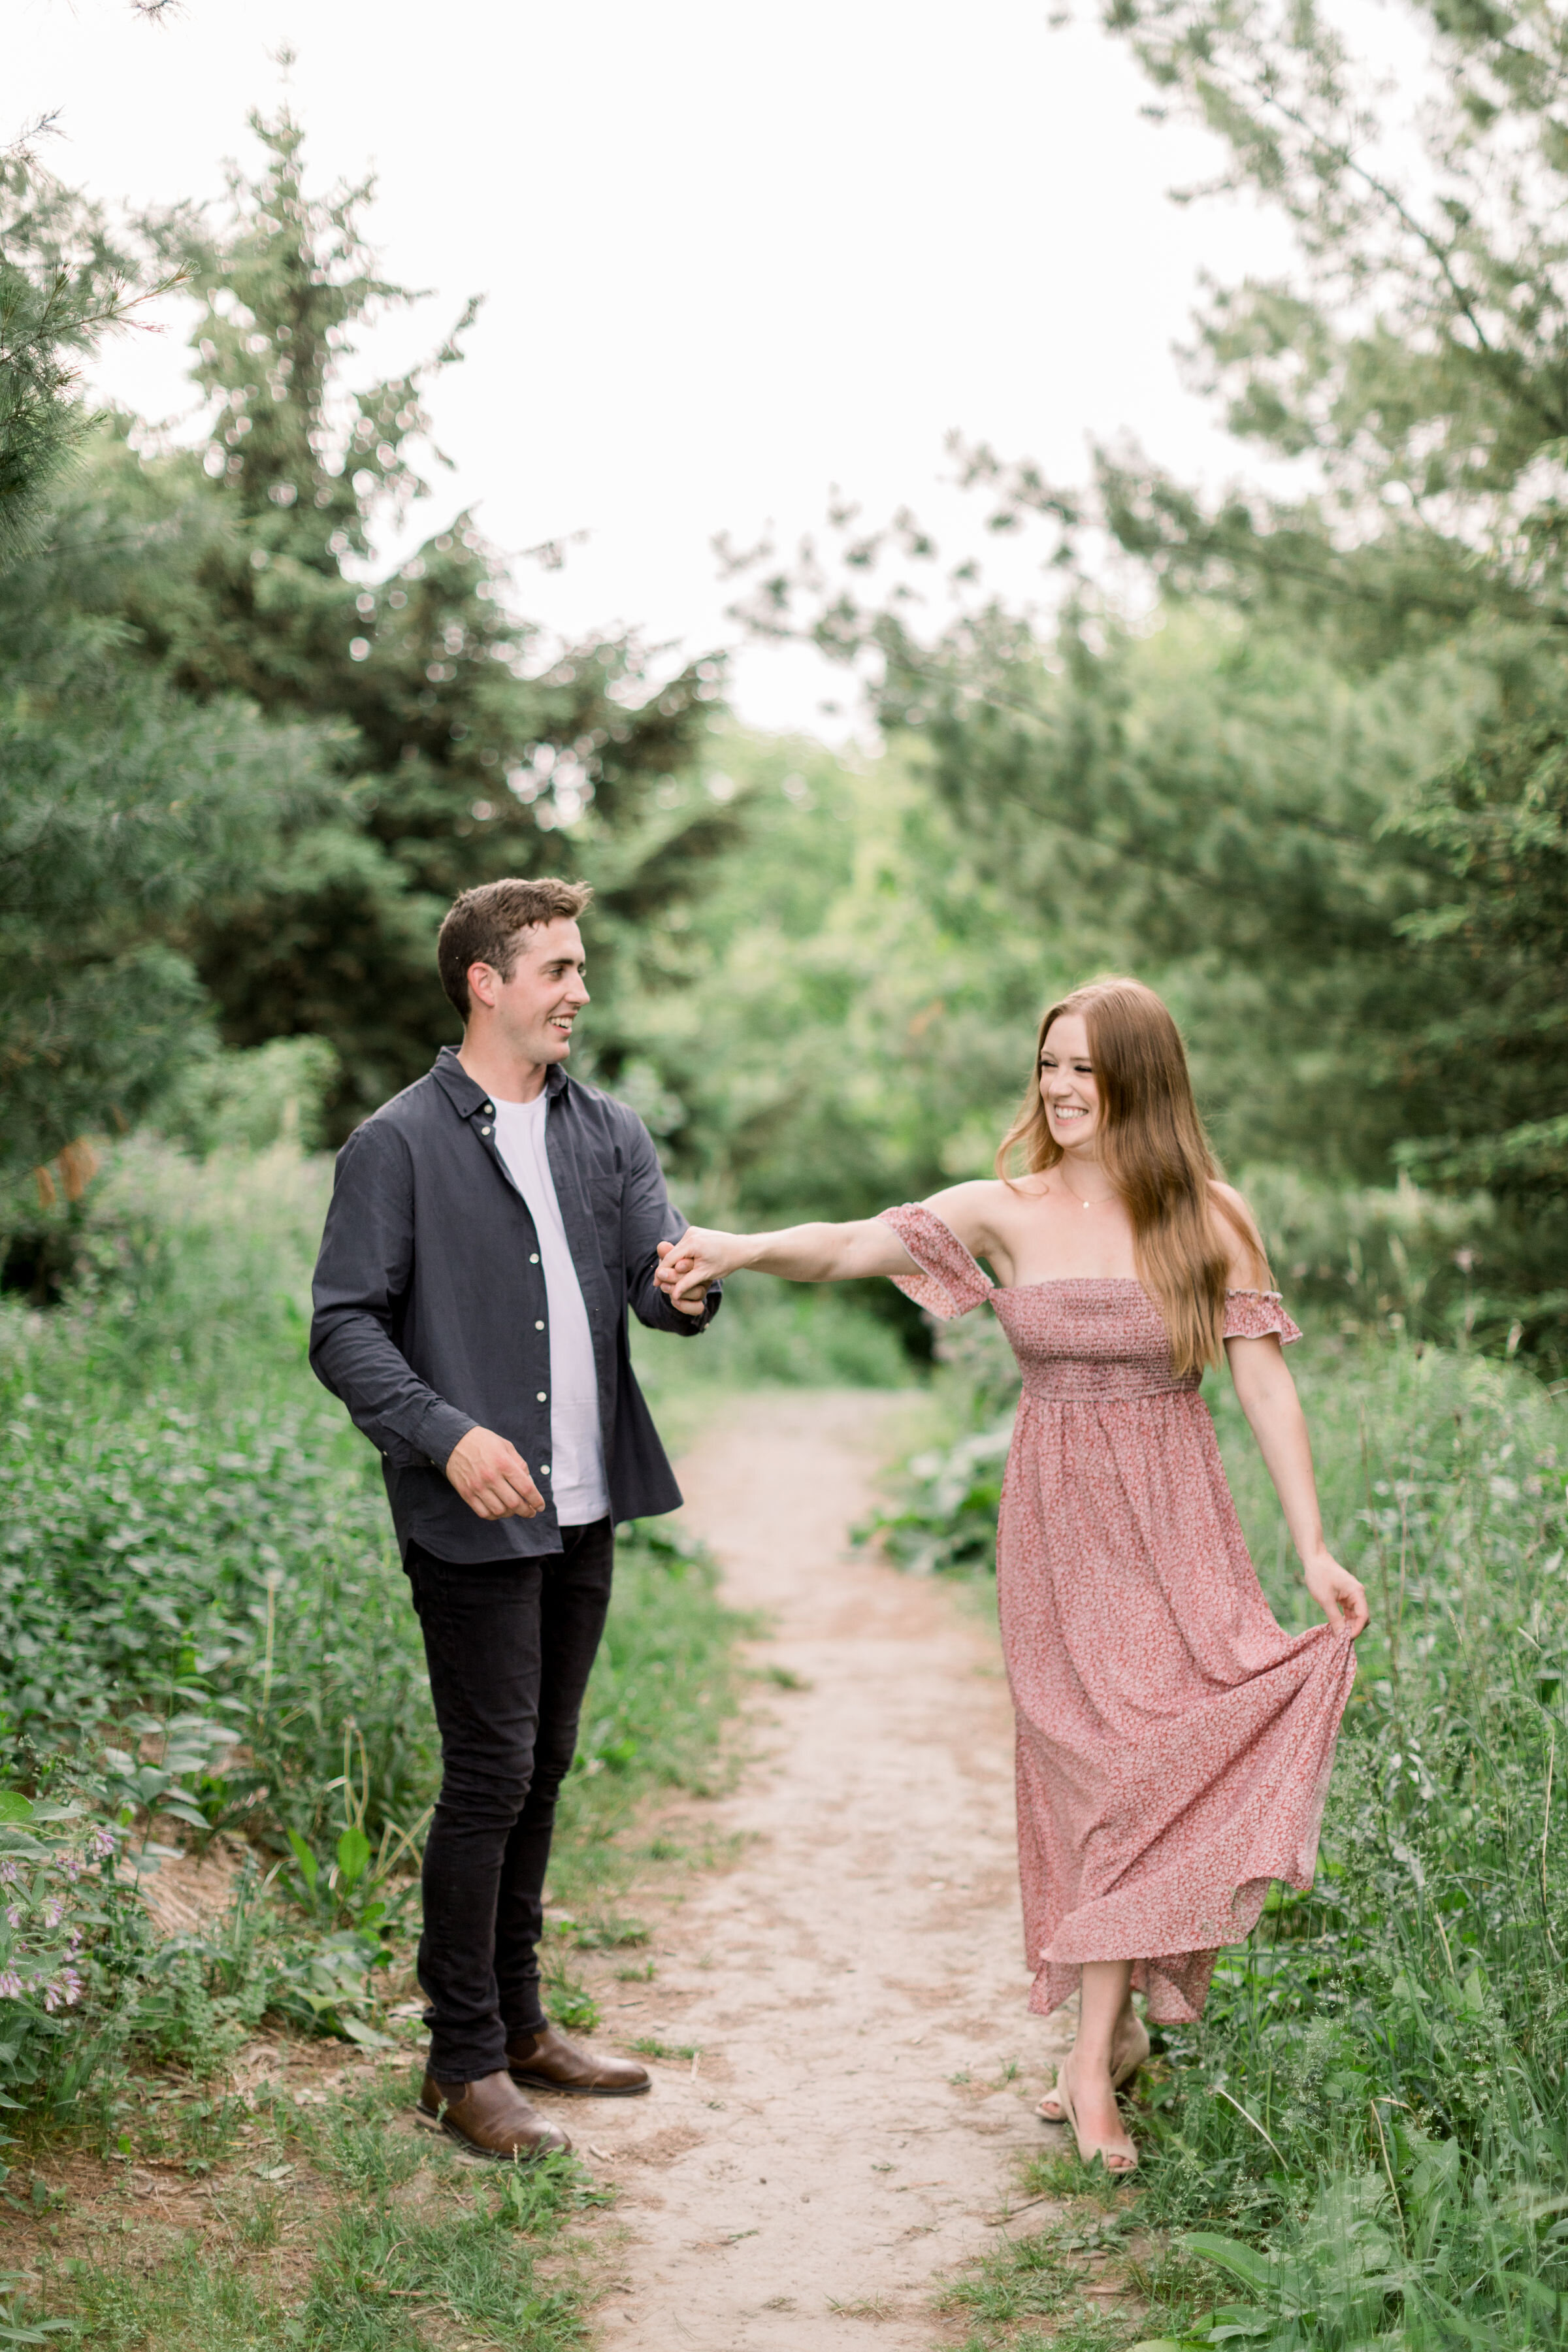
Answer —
(1173, 1746)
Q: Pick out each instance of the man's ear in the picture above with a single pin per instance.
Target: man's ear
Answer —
(483, 982)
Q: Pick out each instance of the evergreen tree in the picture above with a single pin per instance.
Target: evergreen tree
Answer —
(124, 809)
(466, 752)
(62, 284)
(1496, 1058)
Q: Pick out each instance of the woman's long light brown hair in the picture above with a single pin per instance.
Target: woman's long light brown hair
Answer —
(1154, 1148)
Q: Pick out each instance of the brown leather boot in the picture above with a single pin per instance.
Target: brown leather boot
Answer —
(490, 2117)
(546, 2061)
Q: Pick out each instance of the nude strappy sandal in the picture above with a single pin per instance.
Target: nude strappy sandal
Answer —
(1121, 2076)
(1118, 2162)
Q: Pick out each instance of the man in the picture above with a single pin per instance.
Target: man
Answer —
(488, 1229)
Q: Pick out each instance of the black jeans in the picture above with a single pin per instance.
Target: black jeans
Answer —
(509, 1644)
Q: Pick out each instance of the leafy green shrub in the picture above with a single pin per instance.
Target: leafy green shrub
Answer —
(189, 1578)
(1386, 1257)
(947, 1524)
(58, 1899)
(252, 1100)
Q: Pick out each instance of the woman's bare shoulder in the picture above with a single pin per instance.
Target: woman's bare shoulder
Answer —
(1235, 1229)
(971, 1209)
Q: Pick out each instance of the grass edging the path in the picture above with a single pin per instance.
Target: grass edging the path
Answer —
(206, 1646)
(1365, 2142)
(328, 2227)
(176, 2204)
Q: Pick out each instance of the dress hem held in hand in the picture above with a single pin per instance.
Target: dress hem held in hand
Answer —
(1173, 1743)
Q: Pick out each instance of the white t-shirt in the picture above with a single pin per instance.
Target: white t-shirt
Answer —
(576, 1474)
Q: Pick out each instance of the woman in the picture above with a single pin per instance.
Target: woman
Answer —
(1174, 1745)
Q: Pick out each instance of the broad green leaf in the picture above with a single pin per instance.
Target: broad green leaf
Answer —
(1243, 2262)
(366, 2035)
(310, 1868)
(353, 1857)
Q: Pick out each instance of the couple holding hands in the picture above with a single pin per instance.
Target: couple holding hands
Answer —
(489, 1229)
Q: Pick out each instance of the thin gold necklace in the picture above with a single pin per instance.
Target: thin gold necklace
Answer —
(1099, 1203)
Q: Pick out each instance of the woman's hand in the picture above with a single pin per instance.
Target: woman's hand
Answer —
(799, 1254)
(689, 1267)
(1338, 1594)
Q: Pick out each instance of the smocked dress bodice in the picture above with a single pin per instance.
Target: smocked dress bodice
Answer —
(1090, 1337)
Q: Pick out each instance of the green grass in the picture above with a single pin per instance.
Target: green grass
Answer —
(339, 2257)
(204, 1628)
(1366, 2140)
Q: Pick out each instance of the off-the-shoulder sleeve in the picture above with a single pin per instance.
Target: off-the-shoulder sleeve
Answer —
(949, 1282)
(1257, 1315)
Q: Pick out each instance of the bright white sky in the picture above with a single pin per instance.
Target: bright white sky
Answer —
(731, 254)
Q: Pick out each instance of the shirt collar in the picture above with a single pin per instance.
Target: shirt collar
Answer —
(467, 1097)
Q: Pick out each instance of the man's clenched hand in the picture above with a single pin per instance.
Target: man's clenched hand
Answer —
(492, 1478)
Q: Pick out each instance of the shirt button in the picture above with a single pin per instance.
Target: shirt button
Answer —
(533, 1257)
(540, 1394)
(539, 1326)
(544, 1469)
(489, 1110)
(484, 1131)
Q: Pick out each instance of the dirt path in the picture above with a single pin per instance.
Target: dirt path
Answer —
(855, 1986)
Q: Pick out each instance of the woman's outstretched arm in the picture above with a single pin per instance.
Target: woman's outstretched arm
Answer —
(800, 1252)
(1269, 1399)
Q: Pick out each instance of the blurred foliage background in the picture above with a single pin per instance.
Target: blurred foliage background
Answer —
(1299, 757)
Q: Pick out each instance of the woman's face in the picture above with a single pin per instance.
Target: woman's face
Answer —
(1067, 1086)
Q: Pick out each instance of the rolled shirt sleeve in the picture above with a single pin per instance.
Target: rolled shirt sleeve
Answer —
(648, 1217)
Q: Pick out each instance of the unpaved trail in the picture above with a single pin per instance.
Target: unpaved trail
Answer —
(820, 2167)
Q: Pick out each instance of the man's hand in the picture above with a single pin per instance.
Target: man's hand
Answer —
(492, 1478)
(687, 1271)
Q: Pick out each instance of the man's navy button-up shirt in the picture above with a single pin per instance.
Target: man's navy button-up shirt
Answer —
(430, 1312)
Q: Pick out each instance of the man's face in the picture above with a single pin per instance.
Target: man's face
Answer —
(534, 1010)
